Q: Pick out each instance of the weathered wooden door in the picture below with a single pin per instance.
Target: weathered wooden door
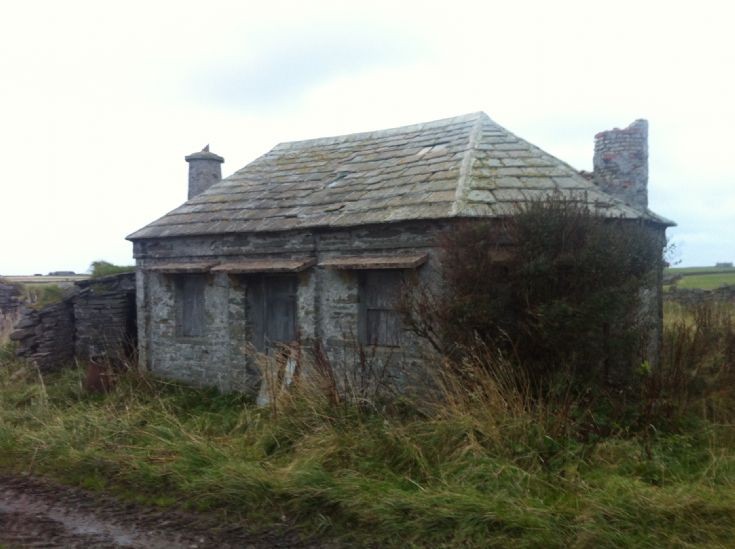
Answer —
(272, 311)
(280, 311)
(379, 321)
(190, 312)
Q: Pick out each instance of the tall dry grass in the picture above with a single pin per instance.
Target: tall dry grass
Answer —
(697, 372)
(494, 462)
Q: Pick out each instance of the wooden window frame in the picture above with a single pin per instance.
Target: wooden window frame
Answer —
(367, 308)
(190, 303)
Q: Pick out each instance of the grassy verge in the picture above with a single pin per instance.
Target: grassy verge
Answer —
(478, 469)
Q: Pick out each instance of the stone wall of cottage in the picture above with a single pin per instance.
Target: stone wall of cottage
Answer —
(202, 360)
(651, 315)
(327, 307)
(327, 303)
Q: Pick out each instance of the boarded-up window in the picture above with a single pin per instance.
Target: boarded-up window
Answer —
(380, 322)
(272, 310)
(190, 315)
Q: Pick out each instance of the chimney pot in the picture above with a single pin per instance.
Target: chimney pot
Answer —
(205, 169)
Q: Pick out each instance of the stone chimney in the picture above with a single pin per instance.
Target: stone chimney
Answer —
(621, 163)
(205, 169)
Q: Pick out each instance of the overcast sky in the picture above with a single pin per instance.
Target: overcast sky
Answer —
(100, 101)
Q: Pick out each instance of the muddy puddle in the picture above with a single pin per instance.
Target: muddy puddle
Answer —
(37, 513)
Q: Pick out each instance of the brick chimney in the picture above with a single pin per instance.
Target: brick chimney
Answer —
(205, 169)
(621, 163)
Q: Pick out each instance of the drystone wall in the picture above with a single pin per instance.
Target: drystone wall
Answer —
(97, 320)
(46, 336)
(104, 318)
(695, 296)
(11, 308)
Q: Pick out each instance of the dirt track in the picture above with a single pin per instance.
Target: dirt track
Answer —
(36, 513)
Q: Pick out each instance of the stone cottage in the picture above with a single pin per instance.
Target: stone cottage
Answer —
(308, 243)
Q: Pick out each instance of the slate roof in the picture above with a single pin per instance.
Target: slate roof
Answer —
(466, 166)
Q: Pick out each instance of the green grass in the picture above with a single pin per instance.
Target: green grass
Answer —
(368, 478)
(699, 270)
(704, 278)
(480, 469)
(707, 281)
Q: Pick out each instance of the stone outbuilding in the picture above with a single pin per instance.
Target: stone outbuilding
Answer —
(308, 243)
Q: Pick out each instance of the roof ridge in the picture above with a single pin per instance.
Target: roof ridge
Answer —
(286, 145)
(465, 169)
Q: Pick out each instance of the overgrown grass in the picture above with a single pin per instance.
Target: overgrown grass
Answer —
(102, 268)
(41, 295)
(483, 468)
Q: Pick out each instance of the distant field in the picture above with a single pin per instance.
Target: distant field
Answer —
(42, 280)
(705, 278)
(699, 270)
(707, 281)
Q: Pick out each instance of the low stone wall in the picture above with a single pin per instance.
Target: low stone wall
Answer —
(104, 316)
(46, 336)
(11, 308)
(695, 296)
(96, 320)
